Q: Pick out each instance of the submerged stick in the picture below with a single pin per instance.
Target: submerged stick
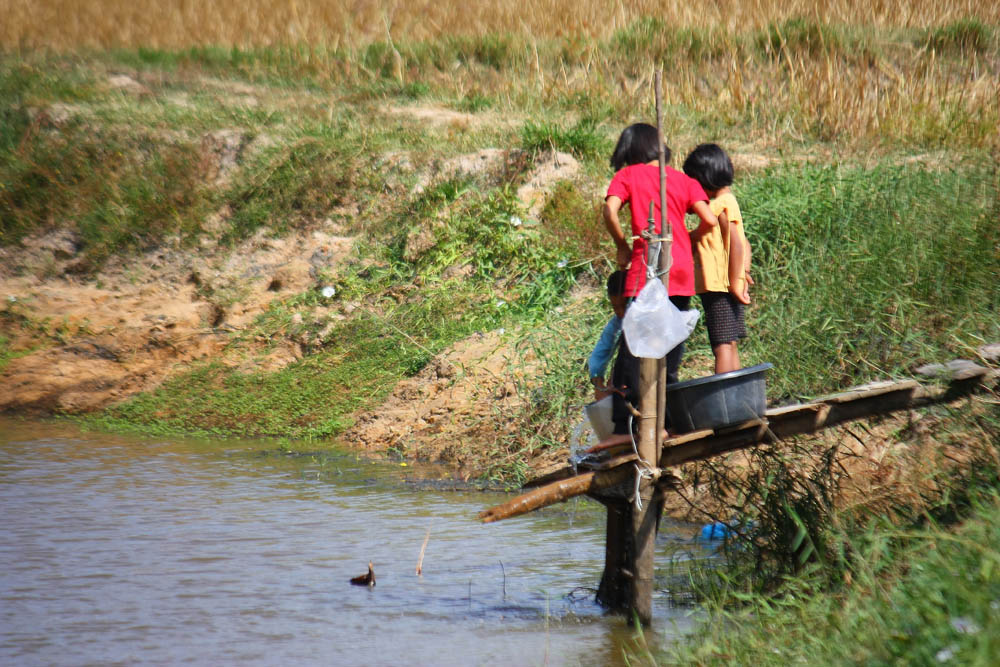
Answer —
(423, 547)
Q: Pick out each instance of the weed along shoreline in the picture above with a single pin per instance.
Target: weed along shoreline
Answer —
(393, 242)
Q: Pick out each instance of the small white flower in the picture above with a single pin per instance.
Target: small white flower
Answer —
(328, 291)
(516, 221)
(501, 331)
(562, 264)
(559, 309)
(945, 654)
(12, 298)
(965, 625)
(501, 303)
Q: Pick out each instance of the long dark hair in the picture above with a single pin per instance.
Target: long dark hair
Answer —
(639, 143)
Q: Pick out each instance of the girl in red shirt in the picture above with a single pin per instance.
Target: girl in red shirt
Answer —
(637, 183)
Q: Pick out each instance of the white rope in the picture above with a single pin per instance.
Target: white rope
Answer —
(639, 474)
(646, 470)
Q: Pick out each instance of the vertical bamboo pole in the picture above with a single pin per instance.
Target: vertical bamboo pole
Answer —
(667, 234)
(652, 404)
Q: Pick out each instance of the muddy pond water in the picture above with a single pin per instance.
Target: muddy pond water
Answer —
(124, 550)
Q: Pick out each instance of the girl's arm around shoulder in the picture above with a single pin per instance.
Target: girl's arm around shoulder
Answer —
(707, 220)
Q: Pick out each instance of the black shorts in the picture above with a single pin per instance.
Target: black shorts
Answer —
(723, 317)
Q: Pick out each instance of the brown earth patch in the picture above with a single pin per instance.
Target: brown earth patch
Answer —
(437, 115)
(451, 407)
(82, 344)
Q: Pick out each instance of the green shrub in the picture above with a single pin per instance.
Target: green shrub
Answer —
(291, 186)
(800, 34)
(582, 139)
(119, 191)
(965, 36)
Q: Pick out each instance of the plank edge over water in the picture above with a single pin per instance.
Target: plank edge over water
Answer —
(778, 423)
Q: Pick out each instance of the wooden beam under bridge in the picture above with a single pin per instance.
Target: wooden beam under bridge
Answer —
(615, 465)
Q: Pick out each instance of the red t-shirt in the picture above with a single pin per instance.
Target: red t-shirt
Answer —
(639, 184)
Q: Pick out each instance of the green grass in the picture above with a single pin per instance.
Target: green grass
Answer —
(917, 597)
(6, 354)
(581, 139)
(966, 37)
(866, 273)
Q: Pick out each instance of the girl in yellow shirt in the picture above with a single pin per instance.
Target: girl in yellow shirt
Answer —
(721, 257)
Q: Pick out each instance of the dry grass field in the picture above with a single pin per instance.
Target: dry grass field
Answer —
(857, 75)
(69, 24)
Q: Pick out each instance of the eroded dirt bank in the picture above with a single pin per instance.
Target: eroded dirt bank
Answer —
(79, 342)
(84, 344)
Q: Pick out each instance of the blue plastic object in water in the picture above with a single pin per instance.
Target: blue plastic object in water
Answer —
(720, 530)
(714, 531)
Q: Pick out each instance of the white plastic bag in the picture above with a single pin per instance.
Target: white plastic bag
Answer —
(653, 325)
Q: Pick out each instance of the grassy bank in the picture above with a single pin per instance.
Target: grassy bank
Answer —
(844, 297)
(925, 597)
(866, 267)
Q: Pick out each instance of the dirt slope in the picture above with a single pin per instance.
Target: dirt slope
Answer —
(83, 344)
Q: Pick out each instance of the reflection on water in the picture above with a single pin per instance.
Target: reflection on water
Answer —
(121, 550)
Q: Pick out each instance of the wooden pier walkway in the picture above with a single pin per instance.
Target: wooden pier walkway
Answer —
(612, 465)
(633, 491)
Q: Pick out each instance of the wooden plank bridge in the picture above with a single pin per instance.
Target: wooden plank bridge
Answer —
(608, 473)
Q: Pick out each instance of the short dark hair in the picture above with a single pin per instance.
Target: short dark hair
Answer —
(639, 143)
(710, 166)
(616, 283)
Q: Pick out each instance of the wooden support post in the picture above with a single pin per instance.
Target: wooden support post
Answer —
(615, 589)
(644, 516)
(622, 585)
